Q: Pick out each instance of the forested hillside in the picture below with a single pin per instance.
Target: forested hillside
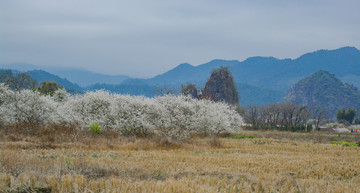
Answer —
(323, 89)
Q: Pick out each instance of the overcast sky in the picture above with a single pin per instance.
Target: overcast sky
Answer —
(142, 38)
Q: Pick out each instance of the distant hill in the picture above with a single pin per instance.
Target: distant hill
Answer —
(259, 80)
(22, 67)
(268, 77)
(186, 73)
(79, 76)
(269, 72)
(324, 89)
(40, 76)
(86, 78)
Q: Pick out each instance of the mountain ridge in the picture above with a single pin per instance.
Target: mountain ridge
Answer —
(267, 76)
(323, 89)
(273, 73)
(41, 76)
(79, 76)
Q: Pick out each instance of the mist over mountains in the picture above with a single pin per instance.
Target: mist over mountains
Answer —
(259, 80)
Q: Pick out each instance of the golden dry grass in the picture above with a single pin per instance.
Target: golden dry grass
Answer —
(95, 164)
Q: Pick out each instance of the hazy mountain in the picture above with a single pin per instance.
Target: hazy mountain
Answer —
(186, 73)
(263, 80)
(40, 76)
(79, 76)
(324, 89)
(259, 80)
(22, 67)
(86, 78)
(344, 62)
(269, 72)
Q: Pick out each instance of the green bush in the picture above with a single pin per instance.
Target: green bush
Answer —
(95, 128)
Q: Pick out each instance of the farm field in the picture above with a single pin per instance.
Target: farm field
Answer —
(84, 162)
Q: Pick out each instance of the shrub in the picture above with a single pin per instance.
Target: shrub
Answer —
(95, 128)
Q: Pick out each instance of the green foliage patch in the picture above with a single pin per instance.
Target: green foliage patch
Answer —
(48, 88)
(95, 128)
(344, 143)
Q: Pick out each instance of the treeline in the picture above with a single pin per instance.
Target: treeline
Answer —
(285, 116)
(347, 117)
(17, 81)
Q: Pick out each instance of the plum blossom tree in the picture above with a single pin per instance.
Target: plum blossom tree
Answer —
(25, 107)
(171, 116)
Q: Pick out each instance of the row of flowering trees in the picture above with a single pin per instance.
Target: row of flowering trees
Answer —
(173, 116)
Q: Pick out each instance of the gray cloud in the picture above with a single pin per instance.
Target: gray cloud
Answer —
(143, 38)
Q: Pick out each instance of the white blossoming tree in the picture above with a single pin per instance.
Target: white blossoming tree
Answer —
(171, 116)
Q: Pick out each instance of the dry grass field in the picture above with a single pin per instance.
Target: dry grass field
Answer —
(84, 162)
